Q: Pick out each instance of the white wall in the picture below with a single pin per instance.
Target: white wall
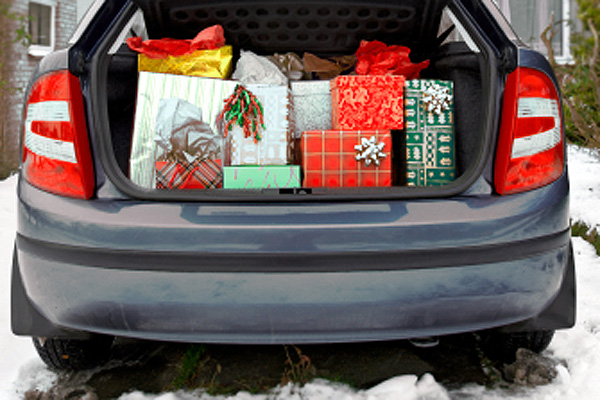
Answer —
(82, 6)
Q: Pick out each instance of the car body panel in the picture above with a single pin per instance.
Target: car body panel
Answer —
(310, 307)
(294, 228)
(340, 272)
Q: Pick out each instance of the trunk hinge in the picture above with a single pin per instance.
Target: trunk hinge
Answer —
(78, 64)
(508, 59)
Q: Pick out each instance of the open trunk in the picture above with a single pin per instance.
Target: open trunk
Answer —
(441, 31)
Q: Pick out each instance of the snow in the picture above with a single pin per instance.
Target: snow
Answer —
(20, 368)
(578, 349)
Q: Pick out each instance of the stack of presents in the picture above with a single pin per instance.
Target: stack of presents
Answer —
(282, 121)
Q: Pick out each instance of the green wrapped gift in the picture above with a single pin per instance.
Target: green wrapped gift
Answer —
(261, 177)
(429, 118)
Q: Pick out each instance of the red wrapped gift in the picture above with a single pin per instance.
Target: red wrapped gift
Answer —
(368, 102)
(198, 174)
(337, 158)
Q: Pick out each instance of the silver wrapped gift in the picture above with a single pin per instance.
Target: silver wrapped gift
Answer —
(312, 106)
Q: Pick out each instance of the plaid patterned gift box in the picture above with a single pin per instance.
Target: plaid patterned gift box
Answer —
(198, 174)
(430, 139)
(367, 102)
(335, 158)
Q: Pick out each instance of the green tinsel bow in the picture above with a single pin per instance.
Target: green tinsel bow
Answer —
(244, 109)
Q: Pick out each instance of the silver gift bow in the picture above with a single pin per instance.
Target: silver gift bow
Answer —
(370, 151)
(437, 98)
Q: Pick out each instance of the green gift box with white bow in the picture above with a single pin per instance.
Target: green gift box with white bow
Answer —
(429, 124)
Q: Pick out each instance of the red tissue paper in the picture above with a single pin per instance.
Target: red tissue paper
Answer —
(377, 58)
(210, 38)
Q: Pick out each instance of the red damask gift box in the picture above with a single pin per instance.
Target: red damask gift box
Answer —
(367, 102)
(349, 158)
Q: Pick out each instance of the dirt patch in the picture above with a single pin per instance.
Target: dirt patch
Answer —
(155, 367)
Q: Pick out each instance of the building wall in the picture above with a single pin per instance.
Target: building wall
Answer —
(22, 67)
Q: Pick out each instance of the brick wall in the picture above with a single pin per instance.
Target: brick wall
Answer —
(22, 66)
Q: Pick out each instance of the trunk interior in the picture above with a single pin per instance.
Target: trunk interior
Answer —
(325, 29)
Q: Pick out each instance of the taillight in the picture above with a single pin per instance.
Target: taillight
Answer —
(56, 150)
(531, 145)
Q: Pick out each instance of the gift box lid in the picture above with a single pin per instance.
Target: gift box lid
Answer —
(393, 81)
(308, 88)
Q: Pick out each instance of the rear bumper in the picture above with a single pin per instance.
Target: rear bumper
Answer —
(284, 274)
(280, 307)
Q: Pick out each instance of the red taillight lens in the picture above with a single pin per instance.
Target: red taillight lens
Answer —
(531, 145)
(56, 150)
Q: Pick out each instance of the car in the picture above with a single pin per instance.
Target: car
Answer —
(98, 256)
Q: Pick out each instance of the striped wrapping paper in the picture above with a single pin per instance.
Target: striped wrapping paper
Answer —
(207, 94)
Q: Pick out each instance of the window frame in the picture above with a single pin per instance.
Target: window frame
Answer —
(566, 57)
(564, 22)
(38, 50)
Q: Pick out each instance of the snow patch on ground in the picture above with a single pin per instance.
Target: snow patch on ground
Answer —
(407, 387)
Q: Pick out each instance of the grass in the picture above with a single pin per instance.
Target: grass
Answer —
(188, 367)
(588, 233)
(199, 368)
(298, 367)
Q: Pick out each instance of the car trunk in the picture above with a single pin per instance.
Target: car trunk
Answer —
(330, 28)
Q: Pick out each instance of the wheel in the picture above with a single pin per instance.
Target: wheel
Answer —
(503, 346)
(73, 354)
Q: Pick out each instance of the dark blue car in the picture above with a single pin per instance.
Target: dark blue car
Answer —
(98, 256)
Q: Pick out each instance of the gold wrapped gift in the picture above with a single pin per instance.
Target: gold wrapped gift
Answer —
(208, 63)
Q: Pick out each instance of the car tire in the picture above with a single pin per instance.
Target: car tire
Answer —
(73, 354)
(502, 346)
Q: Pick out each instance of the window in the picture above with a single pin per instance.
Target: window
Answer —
(530, 18)
(41, 27)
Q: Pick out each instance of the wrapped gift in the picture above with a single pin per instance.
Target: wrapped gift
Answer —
(430, 132)
(167, 104)
(207, 63)
(312, 106)
(204, 55)
(367, 102)
(271, 146)
(198, 174)
(336, 158)
(261, 177)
